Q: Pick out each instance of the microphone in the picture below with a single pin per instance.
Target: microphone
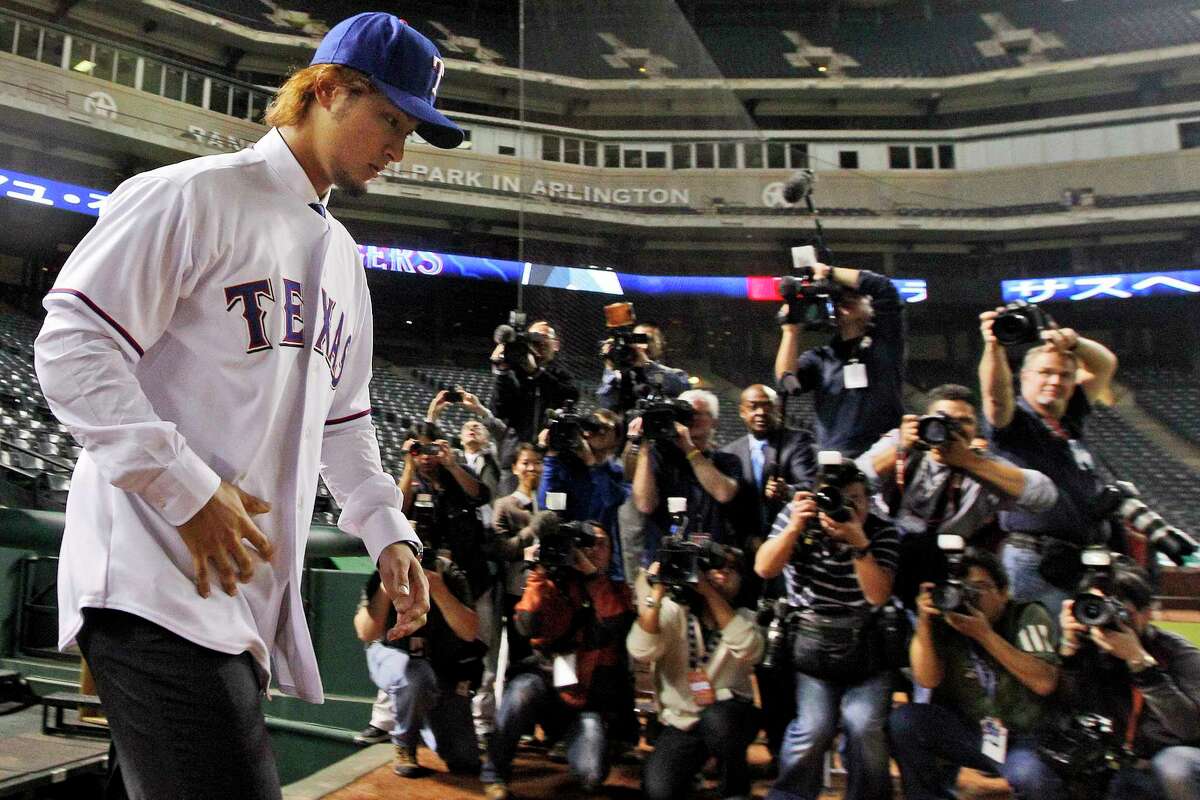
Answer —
(799, 186)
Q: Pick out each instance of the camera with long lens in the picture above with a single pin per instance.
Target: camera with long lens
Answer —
(1160, 535)
(772, 617)
(558, 540)
(1021, 323)
(659, 415)
(567, 427)
(831, 502)
(953, 594)
(1102, 610)
(423, 516)
(518, 342)
(935, 430)
(1086, 750)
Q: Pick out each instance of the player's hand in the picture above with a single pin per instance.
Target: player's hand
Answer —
(925, 607)
(215, 535)
(908, 433)
(402, 577)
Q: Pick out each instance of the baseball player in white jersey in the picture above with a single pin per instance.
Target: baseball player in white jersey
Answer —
(209, 344)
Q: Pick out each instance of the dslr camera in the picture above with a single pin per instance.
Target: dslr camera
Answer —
(682, 561)
(1021, 323)
(1099, 610)
(518, 342)
(954, 595)
(1162, 537)
(935, 430)
(567, 427)
(772, 616)
(831, 502)
(558, 541)
(431, 449)
(659, 415)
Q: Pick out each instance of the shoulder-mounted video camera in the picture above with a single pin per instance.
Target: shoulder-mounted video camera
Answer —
(518, 342)
(808, 301)
(1021, 323)
(659, 415)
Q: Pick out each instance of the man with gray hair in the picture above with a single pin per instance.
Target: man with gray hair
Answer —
(687, 467)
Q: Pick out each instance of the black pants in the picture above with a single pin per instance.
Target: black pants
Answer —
(725, 730)
(186, 722)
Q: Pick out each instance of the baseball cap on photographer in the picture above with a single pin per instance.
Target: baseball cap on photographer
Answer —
(401, 63)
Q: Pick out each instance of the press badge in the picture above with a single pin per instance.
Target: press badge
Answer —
(702, 690)
(995, 739)
(854, 375)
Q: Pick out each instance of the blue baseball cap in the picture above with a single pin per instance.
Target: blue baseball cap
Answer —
(402, 63)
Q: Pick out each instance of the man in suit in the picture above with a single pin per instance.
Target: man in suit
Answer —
(776, 461)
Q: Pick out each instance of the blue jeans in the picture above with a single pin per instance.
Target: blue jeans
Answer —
(425, 707)
(1174, 774)
(725, 730)
(529, 699)
(1026, 583)
(862, 710)
(931, 743)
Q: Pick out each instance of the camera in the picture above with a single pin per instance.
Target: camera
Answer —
(1021, 323)
(934, 430)
(809, 301)
(453, 394)
(772, 616)
(953, 595)
(621, 350)
(518, 342)
(681, 562)
(830, 501)
(423, 516)
(659, 415)
(558, 540)
(568, 426)
(1086, 750)
(1162, 536)
(430, 449)
(1099, 610)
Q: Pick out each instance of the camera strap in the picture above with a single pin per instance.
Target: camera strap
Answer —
(951, 493)
(698, 654)
(1135, 714)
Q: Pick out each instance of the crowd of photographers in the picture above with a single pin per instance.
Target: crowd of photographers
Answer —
(970, 558)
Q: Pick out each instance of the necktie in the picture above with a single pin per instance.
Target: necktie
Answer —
(317, 207)
(757, 460)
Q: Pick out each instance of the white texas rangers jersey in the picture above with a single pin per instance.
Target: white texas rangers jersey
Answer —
(213, 325)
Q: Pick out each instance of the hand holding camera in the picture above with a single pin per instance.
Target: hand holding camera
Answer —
(926, 608)
(775, 488)
(683, 438)
(970, 622)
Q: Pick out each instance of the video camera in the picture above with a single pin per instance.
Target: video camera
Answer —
(1099, 610)
(558, 540)
(620, 345)
(935, 430)
(831, 502)
(518, 342)
(954, 595)
(809, 301)
(681, 561)
(659, 415)
(568, 426)
(1021, 323)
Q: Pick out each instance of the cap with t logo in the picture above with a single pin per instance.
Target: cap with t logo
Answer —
(402, 63)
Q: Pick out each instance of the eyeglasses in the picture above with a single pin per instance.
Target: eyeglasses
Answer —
(981, 586)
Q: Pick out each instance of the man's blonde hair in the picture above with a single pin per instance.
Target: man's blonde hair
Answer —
(292, 101)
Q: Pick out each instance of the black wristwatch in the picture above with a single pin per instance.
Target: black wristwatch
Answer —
(417, 548)
(861, 552)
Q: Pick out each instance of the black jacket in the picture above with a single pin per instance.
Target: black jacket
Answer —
(792, 455)
(522, 401)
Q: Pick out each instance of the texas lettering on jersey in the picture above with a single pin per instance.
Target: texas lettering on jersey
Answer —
(252, 295)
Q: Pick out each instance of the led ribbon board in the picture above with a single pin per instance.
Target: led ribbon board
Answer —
(84, 200)
(1123, 286)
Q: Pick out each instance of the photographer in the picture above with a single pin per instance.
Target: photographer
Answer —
(429, 675)
(936, 483)
(685, 467)
(638, 361)
(990, 664)
(837, 574)
(477, 437)
(857, 378)
(702, 654)
(529, 381)
(1147, 681)
(579, 688)
(1042, 429)
(589, 473)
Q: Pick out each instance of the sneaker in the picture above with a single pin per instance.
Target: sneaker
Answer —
(496, 791)
(405, 763)
(370, 735)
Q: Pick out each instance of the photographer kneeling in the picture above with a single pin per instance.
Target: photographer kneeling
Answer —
(431, 674)
(578, 687)
(990, 663)
(1144, 679)
(838, 561)
(702, 652)
(935, 482)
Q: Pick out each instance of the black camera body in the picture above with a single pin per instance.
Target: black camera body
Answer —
(832, 502)
(567, 427)
(621, 346)
(810, 302)
(430, 449)
(659, 415)
(1021, 323)
(935, 430)
(772, 616)
(1086, 750)
(953, 595)
(556, 547)
(681, 562)
(1099, 610)
(518, 342)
